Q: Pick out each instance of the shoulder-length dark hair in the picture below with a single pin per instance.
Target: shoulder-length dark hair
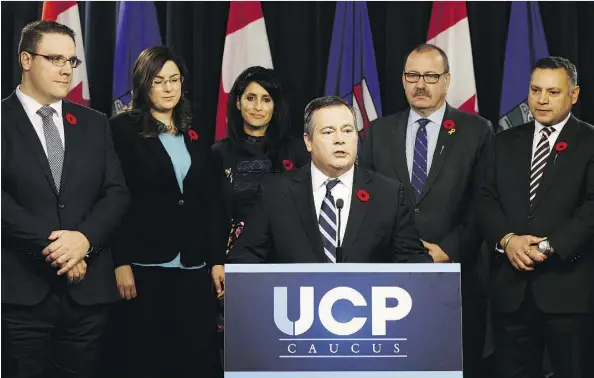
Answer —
(147, 66)
(276, 132)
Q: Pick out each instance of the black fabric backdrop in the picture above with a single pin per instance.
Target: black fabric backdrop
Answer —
(300, 35)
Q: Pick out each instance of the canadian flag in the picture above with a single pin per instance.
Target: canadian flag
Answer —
(449, 30)
(246, 45)
(66, 13)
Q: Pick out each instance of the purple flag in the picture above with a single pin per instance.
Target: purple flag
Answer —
(526, 44)
(352, 73)
(137, 29)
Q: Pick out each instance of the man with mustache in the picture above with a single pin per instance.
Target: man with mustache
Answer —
(435, 151)
(300, 218)
(536, 208)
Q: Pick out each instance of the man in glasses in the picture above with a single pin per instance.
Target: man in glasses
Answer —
(435, 151)
(63, 194)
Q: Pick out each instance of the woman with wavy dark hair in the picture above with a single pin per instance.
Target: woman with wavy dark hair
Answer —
(170, 250)
(258, 145)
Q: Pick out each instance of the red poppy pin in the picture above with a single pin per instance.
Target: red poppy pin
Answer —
(288, 164)
(70, 118)
(363, 195)
(560, 146)
(193, 135)
(450, 125)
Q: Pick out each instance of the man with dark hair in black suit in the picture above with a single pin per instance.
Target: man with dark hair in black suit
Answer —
(536, 209)
(330, 210)
(63, 194)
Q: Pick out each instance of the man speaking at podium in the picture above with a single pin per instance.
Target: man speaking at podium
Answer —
(332, 210)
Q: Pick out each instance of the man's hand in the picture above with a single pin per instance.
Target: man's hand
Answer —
(438, 255)
(218, 277)
(66, 250)
(77, 273)
(536, 256)
(125, 282)
(519, 252)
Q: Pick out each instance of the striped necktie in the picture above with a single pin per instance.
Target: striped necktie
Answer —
(419, 167)
(328, 222)
(539, 160)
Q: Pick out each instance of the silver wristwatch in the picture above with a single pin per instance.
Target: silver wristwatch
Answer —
(545, 248)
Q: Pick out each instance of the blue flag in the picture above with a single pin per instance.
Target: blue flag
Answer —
(352, 73)
(137, 30)
(526, 44)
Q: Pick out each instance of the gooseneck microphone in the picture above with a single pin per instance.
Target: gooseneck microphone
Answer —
(339, 206)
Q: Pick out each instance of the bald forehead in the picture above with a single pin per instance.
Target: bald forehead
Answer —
(429, 60)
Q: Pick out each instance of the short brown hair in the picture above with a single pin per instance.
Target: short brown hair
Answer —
(34, 31)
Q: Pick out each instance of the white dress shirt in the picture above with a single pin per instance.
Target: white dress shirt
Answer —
(31, 107)
(412, 126)
(536, 138)
(344, 190)
(552, 138)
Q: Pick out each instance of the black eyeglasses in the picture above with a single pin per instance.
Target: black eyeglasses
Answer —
(59, 60)
(431, 78)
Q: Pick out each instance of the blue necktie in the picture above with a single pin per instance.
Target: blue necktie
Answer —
(419, 167)
(327, 222)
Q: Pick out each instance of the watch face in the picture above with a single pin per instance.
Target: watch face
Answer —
(543, 246)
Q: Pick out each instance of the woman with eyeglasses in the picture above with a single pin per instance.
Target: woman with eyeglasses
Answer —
(170, 250)
(257, 144)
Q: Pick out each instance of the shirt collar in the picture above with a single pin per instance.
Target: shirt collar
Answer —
(318, 179)
(32, 106)
(436, 117)
(558, 127)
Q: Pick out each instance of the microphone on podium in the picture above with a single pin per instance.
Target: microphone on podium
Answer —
(339, 206)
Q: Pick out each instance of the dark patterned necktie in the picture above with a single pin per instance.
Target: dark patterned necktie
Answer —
(539, 160)
(55, 149)
(419, 167)
(327, 222)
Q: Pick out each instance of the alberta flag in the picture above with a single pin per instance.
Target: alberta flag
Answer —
(526, 44)
(352, 73)
(137, 30)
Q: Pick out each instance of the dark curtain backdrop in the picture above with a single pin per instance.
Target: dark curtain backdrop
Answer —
(300, 35)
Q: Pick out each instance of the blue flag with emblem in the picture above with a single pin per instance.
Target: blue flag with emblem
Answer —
(137, 30)
(526, 43)
(352, 72)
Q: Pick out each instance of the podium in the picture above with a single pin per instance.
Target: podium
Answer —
(343, 320)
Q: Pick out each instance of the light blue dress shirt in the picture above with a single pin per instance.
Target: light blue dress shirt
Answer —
(412, 126)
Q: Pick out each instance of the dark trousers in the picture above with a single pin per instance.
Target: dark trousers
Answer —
(474, 330)
(55, 338)
(172, 324)
(520, 339)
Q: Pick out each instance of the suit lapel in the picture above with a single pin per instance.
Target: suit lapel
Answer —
(303, 196)
(361, 181)
(74, 140)
(398, 148)
(444, 147)
(31, 138)
(558, 161)
(521, 159)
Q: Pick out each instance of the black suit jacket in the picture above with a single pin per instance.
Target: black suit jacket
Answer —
(161, 221)
(92, 200)
(444, 214)
(563, 211)
(284, 228)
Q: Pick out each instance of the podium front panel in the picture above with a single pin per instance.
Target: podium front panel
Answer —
(343, 320)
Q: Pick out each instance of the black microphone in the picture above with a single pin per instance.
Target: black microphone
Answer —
(339, 205)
